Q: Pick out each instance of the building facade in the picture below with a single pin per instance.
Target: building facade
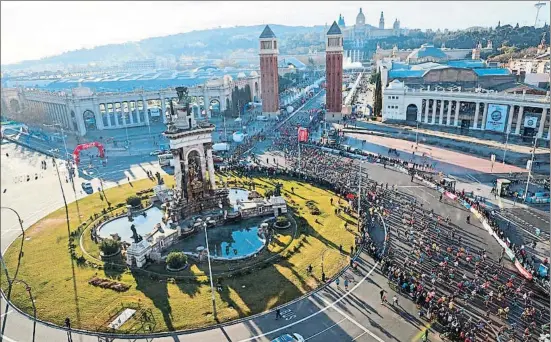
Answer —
(334, 72)
(358, 35)
(501, 113)
(269, 76)
(82, 109)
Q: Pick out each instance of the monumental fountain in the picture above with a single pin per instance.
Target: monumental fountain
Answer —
(179, 216)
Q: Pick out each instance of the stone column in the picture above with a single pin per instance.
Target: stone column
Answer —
(203, 163)
(206, 103)
(177, 168)
(427, 102)
(80, 121)
(449, 114)
(484, 116)
(97, 115)
(145, 109)
(519, 119)
(441, 119)
(476, 112)
(510, 118)
(434, 103)
(163, 108)
(130, 116)
(456, 116)
(210, 165)
(542, 122)
(135, 110)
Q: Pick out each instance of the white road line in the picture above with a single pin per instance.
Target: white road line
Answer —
(351, 320)
(517, 225)
(7, 313)
(8, 339)
(324, 330)
(473, 178)
(331, 305)
(360, 335)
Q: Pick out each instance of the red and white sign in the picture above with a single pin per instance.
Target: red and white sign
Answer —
(302, 134)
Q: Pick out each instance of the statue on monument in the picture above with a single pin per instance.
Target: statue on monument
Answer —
(137, 238)
(183, 98)
(277, 191)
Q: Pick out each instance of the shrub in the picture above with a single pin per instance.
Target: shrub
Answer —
(133, 200)
(176, 260)
(282, 220)
(109, 246)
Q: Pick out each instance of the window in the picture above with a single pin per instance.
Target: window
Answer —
(266, 45)
(275, 45)
(333, 42)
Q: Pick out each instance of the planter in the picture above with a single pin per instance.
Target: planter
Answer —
(168, 268)
(285, 226)
(107, 256)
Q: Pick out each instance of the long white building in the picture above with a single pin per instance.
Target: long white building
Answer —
(82, 109)
(517, 114)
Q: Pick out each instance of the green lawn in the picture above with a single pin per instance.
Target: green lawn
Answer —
(181, 304)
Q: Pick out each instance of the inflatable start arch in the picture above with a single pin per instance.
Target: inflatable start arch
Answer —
(76, 152)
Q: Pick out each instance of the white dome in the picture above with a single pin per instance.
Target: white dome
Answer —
(254, 73)
(241, 75)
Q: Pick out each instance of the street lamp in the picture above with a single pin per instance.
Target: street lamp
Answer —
(210, 272)
(530, 168)
(28, 289)
(10, 283)
(506, 146)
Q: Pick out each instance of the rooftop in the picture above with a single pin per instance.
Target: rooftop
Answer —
(267, 33)
(334, 30)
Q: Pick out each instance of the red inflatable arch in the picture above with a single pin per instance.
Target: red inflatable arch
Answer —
(76, 152)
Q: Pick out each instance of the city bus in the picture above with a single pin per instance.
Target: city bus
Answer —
(165, 159)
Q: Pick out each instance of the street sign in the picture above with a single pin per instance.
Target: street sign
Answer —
(493, 158)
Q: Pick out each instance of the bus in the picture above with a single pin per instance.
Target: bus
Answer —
(166, 159)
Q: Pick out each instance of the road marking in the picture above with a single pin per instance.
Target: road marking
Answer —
(7, 313)
(8, 339)
(351, 319)
(324, 330)
(360, 335)
(473, 178)
(331, 305)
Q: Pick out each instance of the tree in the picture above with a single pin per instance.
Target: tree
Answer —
(378, 96)
(133, 200)
(109, 246)
(176, 260)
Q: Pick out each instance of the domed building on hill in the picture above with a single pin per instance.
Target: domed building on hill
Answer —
(357, 35)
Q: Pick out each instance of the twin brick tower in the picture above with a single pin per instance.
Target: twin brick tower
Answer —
(333, 73)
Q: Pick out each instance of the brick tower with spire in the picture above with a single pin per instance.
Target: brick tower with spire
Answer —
(333, 73)
(268, 73)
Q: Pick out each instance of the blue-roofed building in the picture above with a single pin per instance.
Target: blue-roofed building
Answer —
(426, 53)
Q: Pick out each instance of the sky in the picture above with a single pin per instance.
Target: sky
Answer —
(32, 30)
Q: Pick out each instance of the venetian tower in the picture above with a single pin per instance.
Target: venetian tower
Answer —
(269, 82)
(333, 73)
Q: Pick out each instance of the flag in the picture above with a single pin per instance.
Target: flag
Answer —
(302, 134)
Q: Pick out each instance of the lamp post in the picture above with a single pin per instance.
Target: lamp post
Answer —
(10, 283)
(28, 289)
(506, 146)
(210, 272)
(530, 168)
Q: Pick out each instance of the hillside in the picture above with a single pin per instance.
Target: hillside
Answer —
(213, 43)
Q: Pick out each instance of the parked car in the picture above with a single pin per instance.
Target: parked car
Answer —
(87, 187)
(156, 152)
(289, 338)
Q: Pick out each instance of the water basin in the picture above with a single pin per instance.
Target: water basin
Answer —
(144, 225)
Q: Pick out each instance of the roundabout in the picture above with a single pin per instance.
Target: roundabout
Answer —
(176, 299)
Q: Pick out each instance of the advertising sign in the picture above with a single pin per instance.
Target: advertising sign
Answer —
(530, 121)
(496, 118)
(302, 134)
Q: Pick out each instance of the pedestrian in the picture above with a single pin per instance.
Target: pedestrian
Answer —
(394, 300)
(382, 295)
(323, 277)
(338, 281)
(346, 284)
(278, 314)
(340, 249)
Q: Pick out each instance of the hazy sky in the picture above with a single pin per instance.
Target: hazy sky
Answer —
(32, 30)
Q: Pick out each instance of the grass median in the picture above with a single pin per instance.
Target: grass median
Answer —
(60, 286)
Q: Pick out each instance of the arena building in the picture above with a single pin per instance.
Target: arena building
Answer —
(82, 109)
(493, 114)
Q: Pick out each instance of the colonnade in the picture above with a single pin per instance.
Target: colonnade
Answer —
(433, 113)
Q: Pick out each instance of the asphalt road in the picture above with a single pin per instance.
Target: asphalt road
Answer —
(331, 314)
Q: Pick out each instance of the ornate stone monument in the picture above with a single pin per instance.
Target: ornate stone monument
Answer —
(191, 146)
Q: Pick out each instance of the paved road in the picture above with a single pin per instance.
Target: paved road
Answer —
(329, 314)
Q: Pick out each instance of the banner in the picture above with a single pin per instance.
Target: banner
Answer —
(496, 118)
(530, 121)
(302, 134)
